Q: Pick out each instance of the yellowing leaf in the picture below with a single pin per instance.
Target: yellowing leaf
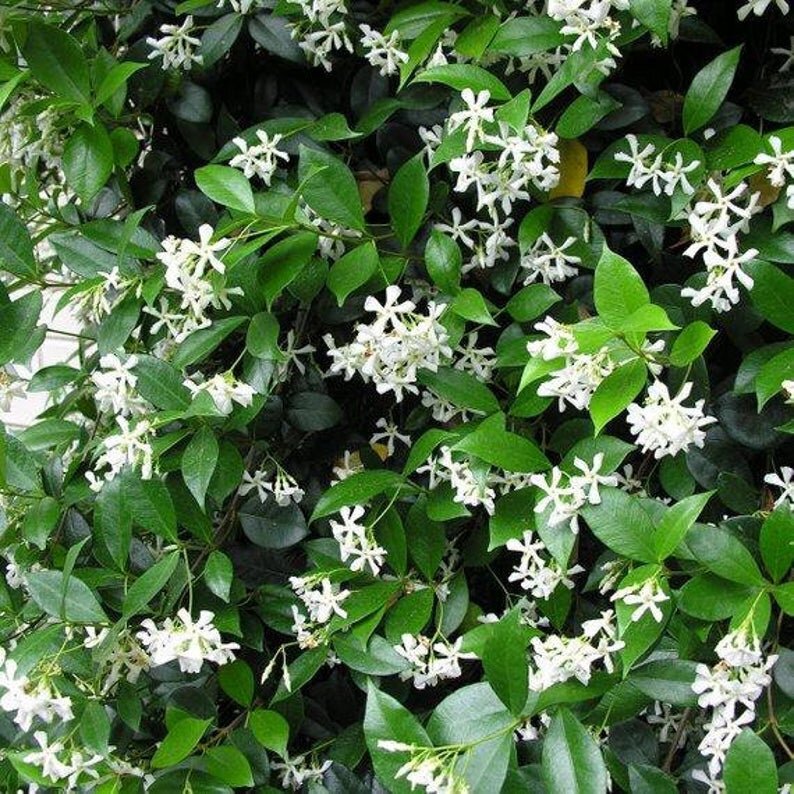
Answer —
(761, 185)
(573, 170)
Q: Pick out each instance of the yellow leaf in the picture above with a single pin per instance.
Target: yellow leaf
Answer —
(573, 170)
(768, 192)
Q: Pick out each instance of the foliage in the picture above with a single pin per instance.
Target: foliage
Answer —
(430, 404)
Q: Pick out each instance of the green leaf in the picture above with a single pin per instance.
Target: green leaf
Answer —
(491, 442)
(115, 328)
(460, 76)
(616, 391)
(772, 294)
(470, 304)
(179, 742)
(645, 779)
(228, 764)
(115, 79)
(219, 37)
(113, 522)
(198, 463)
(386, 720)
(352, 270)
(408, 195)
(270, 729)
(17, 324)
(584, 113)
(622, 525)
(667, 680)
(709, 89)
(226, 186)
(202, 342)
(161, 384)
(690, 343)
(95, 728)
(443, 262)
(271, 526)
(461, 389)
(40, 521)
(473, 715)
(750, 766)
(261, 339)
(311, 411)
(88, 160)
(769, 380)
(330, 188)
(356, 489)
(618, 289)
(572, 761)
(57, 62)
(149, 584)
(676, 522)
(654, 14)
(150, 504)
(237, 681)
(67, 599)
(777, 542)
(531, 301)
(218, 575)
(16, 247)
(283, 262)
(724, 554)
(505, 662)
(524, 36)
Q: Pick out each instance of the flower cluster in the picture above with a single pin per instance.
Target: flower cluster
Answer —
(260, 159)
(390, 350)
(356, 541)
(664, 425)
(431, 661)
(730, 689)
(556, 658)
(190, 643)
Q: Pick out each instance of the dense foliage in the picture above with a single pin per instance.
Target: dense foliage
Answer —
(429, 417)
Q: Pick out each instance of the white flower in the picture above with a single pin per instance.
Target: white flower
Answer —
(355, 541)
(758, 7)
(131, 447)
(115, 386)
(647, 596)
(176, 46)
(430, 662)
(576, 382)
(479, 361)
(259, 159)
(295, 772)
(46, 759)
(31, 699)
(390, 434)
(11, 388)
(391, 349)
(381, 51)
(534, 573)
(560, 341)
(590, 479)
(562, 495)
(258, 481)
(224, 389)
(784, 481)
(322, 603)
(189, 642)
(472, 119)
(781, 164)
(548, 261)
(663, 425)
